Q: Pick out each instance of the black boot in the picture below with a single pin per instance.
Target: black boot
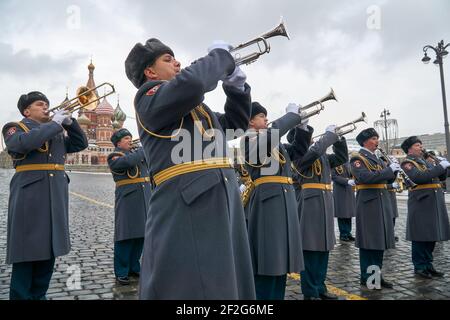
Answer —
(328, 296)
(425, 274)
(386, 284)
(435, 273)
(123, 280)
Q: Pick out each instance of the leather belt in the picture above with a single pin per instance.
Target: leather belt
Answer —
(132, 181)
(371, 186)
(273, 179)
(320, 186)
(40, 167)
(188, 167)
(426, 186)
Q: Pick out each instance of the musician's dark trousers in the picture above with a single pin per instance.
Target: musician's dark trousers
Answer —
(126, 256)
(270, 287)
(313, 277)
(369, 258)
(422, 254)
(30, 280)
(345, 227)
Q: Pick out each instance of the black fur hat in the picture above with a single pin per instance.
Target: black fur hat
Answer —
(257, 109)
(142, 56)
(118, 135)
(26, 99)
(365, 135)
(409, 142)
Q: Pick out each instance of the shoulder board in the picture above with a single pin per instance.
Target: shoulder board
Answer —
(409, 164)
(355, 157)
(115, 155)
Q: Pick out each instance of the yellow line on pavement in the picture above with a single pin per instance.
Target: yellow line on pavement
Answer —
(334, 290)
(294, 276)
(92, 200)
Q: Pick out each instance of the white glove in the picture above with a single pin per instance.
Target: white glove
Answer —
(444, 164)
(242, 188)
(60, 116)
(395, 185)
(68, 121)
(395, 166)
(292, 107)
(441, 158)
(236, 79)
(331, 128)
(219, 44)
(304, 124)
(351, 182)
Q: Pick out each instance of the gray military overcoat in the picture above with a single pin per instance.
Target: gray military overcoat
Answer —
(196, 244)
(316, 208)
(343, 194)
(131, 200)
(374, 215)
(38, 219)
(427, 213)
(273, 225)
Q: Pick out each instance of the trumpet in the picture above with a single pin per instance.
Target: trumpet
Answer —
(402, 177)
(351, 125)
(329, 96)
(261, 42)
(86, 99)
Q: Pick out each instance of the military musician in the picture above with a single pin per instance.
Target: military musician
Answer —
(427, 221)
(271, 206)
(374, 214)
(38, 219)
(130, 173)
(344, 200)
(312, 172)
(196, 244)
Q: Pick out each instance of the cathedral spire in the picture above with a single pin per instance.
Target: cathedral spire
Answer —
(91, 83)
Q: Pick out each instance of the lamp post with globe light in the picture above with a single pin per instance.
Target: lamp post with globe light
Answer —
(441, 52)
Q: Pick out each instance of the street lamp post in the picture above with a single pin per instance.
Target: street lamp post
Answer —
(384, 115)
(440, 52)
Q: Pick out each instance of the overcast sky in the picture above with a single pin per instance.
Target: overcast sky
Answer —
(368, 51)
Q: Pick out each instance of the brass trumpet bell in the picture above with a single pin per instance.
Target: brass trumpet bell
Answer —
(318, 104)
(86, 99)
(261, 42)
(352, 126)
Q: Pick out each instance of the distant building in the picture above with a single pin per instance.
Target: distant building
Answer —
(98, 125)
(432, 142)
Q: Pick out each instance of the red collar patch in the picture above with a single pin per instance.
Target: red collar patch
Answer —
(408, 166)
(11, 131)
(153, 90)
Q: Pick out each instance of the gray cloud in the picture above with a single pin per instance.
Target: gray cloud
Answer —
(24, 64)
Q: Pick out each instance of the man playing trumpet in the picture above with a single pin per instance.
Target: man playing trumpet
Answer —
(196, 244)
(312, 172)
(271, 210)
(130, 173)
(38, 217)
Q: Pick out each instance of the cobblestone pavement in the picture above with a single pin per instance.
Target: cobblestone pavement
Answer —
(91, 226)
